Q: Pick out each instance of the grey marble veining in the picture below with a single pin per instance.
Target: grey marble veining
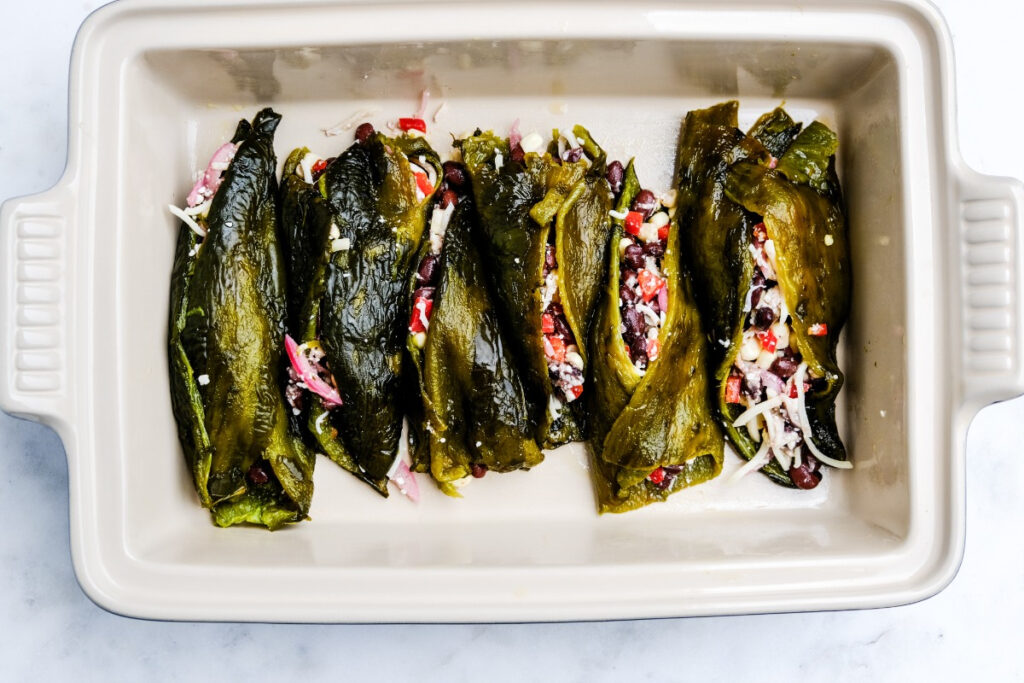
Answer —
(49, 630)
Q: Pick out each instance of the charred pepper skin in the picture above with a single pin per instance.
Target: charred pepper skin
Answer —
(659, 419)
(726, 184)
(354, 302)
(227, 324)
(473, 416)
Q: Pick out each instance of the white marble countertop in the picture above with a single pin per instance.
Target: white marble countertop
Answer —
(49, 630)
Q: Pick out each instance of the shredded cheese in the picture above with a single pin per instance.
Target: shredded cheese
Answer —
(620, 215)
(805, 424)
(759, 409)
(761, 459)
(187, 220)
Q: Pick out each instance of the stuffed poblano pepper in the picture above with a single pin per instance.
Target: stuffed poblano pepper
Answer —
(767, 245)
(474, 416)
(227, 329)
(652, 433)
(353, 226)
(544, 233)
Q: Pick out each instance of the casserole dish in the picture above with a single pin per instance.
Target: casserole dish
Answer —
(934, 331)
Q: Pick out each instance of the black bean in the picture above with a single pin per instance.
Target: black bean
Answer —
(573, 154)
(550, 257)
(562, 328)
(654, 305)
(638, 346)
(614, 174)
(803, 477)
(627, 295)
(655, 249)
(763, 318)
(454, 174)
(428, 268)
(364, 131)
(758, 280)
(478, 470)
(518, 154)
(555, 309)
(636, 327)
(645, 202)
(634, 256)
(258, 475)
(629, 274)
(784, 367)
(755, 297)
(427, 292)
(448, 198)
(639, 358)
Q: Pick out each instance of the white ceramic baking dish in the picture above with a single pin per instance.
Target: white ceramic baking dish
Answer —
(934, 333)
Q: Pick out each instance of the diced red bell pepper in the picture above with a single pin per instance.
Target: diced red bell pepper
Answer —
(760, 233)
(818, 330)
(547, 323)
(421, 309)
(319, 167)
(792, 389)
(413, 124)
(732, 389)
(576, 391)
(657, 476)
(554, 348)
(650, 284)
(423, 182)
(768, 340)
(653, 349)
(663, 232)
(634, 219)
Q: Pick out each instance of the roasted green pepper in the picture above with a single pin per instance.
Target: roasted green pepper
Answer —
(353, 235)
(544, 233)
(767, 250)
(226, 338)
(652, 433)
(474, 415)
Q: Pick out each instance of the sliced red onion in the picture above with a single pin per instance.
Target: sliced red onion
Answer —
(422, 111)
(770, 379)
(403, 478)
(663, 298)
(514, 136)
(207, 185)
(306, 373)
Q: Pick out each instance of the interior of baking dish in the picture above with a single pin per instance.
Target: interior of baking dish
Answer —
(179, 105)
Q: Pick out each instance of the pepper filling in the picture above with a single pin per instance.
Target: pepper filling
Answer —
(643, 287)
(428, 272)
(769, 378)
(565, 364)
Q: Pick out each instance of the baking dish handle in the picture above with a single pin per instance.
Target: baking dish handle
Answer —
(35, 320)
(992, 287)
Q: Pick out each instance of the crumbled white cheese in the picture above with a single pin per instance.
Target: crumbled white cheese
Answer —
(343, 244)
(203, 380)
(829, 240)
(532, 143)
